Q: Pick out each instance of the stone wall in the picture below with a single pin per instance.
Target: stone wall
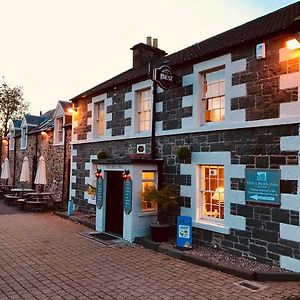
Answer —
(37, 145)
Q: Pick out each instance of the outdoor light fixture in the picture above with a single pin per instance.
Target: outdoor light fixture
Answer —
(293, 44)
(44, 133)
(5, 142)
(126, 174)
(72, 110)
(98, 173)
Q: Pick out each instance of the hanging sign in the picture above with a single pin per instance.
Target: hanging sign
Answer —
(99, 192)
(263, 185)
(127, 195)
(165, 77)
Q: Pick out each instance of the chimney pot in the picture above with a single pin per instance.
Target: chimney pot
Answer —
(41, 112)
(149, 41)
(155, 43)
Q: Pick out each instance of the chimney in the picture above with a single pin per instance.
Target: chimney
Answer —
(145, 53)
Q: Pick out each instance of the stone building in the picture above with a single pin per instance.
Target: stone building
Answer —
(235, 106)
(48, 135)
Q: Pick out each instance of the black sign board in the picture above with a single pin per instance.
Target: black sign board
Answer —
(165, 77)
(127, 196)
(99, 192)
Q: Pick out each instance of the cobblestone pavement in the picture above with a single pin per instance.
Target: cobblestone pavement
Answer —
(43, 257)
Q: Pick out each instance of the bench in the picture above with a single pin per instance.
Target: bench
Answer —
(20, 203)
(34, 205)
(11, 200)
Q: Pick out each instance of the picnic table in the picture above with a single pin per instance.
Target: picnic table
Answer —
(37, 200)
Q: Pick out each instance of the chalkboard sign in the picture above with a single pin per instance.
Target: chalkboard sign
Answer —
(127, 196)
(263, 186)
(99, 192)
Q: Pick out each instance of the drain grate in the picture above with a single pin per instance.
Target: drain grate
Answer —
(251, 286)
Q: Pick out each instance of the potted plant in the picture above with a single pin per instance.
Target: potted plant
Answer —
(102, 155)
(183, 153)
(161, 200)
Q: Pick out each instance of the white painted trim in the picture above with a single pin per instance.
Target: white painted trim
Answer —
(211, 227)
(202, 129)
(290, 232)
(289, 263)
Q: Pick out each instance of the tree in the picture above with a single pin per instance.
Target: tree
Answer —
(12, 106)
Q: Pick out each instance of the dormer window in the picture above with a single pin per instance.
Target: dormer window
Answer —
(58, 131)
(24, 131)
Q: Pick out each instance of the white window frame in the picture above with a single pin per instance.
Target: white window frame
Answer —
(139, 111)
(154, 181)
(24, 131)
(208, 99)
(215, 217)
(58, 142)
(97, 106)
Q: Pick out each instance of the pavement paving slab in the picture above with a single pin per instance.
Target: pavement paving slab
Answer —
(42, 256)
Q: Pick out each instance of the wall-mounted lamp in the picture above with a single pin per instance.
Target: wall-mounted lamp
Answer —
(44, 133)
(126, 174)
(98, 173)
(294, 44)
(5, 141)
(72, 110)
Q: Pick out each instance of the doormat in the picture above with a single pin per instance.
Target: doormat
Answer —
(104, 238)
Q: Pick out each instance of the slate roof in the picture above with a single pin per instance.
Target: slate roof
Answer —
(280, 21)
(17, 123)
(34, 120)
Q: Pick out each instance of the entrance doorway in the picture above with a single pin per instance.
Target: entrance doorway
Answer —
(114, 203)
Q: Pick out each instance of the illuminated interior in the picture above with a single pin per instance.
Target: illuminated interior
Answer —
(212, 188)
(148, 179)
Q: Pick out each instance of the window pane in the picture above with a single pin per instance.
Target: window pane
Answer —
(148, 179)
(213, 96)
(213, 191)
(144, 110)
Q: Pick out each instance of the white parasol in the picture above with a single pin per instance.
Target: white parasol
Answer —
(25, 176)
(5, 174)
(40, 177)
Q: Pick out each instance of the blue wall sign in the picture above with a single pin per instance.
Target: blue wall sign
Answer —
(263, 185)
(184, 232)
(99, 192)
(127, 196)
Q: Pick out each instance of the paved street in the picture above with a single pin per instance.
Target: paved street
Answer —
(43, 257)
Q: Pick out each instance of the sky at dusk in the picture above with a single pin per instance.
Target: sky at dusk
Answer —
(57, 49)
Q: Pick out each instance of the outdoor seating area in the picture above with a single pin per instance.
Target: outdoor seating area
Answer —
(25, 198)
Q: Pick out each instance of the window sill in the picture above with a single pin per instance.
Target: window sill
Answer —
(58, 144)
(211, 226)
(148, 213)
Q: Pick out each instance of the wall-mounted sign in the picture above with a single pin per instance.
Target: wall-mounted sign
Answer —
(165, 77)
(263, 186)
(127, 196)
(99, 192)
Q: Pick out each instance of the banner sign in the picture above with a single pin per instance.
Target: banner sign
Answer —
(99, 192)
(127, 196)
(165, 77)
(263, 185)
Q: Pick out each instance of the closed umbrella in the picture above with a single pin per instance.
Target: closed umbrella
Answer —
(5, 174)
(25, 177)
(40, 177)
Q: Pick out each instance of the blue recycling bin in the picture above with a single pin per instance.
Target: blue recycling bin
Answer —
(184, 233)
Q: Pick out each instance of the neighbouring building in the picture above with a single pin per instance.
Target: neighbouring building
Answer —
(236, 106)
(48, 135)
